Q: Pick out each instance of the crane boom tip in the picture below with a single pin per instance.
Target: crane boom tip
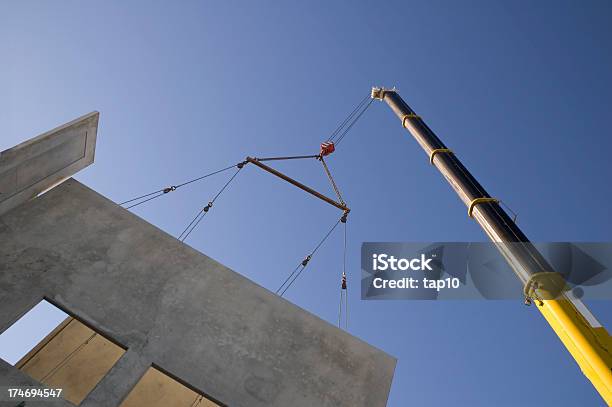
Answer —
(378, 92)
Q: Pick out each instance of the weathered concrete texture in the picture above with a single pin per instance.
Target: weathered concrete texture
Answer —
(174, 307)
(39, 163)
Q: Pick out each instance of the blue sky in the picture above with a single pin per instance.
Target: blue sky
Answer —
(521, 91)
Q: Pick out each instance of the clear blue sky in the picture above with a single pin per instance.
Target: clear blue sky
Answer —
(521, 91)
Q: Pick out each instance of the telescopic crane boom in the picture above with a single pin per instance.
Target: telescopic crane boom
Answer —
(587, 341)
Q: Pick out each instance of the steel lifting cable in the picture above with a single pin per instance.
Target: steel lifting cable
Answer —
(198, 218)
(336, 137)
(341, 137)
(156, 194)
(298, 270)
(348, 118)
(331, 180)
(343, 289)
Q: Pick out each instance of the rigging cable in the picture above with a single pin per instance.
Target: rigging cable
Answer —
(336, 137)
(161, 192)
(343, 289)
(348, 118)
(341, 137)
(198, 218)
(298, 270)
(331, 180)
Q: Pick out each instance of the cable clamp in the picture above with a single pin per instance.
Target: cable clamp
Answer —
(170, 189)
(438, 151)
(207, 207)
(306, 260)
(477, 201)
(409, 116)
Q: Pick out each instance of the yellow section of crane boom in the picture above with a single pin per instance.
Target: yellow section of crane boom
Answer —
(591, 346)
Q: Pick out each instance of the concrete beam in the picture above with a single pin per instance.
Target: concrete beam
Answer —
(38, 164)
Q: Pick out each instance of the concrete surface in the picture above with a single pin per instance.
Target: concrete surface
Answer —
(174, 307)
(33, 166)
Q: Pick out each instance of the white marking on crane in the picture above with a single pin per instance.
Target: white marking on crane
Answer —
(583, 310)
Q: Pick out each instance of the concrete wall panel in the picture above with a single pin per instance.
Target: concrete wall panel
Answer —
(39, 163)
(178, 309)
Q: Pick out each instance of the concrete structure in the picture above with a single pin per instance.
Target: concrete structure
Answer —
(38, 164)
(173, 308)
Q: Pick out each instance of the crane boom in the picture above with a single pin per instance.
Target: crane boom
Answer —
(586, 340)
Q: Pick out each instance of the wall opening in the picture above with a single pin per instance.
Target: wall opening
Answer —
(70, 355)
(157, 389)
(30, 329)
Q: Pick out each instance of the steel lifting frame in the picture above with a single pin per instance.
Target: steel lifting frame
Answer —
(340, 205)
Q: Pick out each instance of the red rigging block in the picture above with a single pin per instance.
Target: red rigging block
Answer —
(327, 148)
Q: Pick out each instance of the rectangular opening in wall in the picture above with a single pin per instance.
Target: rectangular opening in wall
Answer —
(59, 351)
(157, 389)
(30, 329)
